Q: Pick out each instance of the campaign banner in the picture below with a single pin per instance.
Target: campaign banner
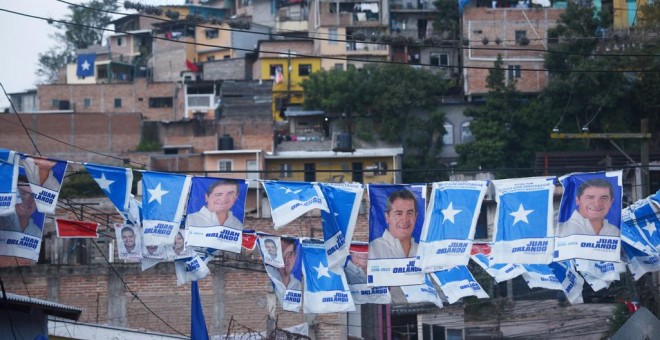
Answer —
(396, 216)
(129, 241)
(450, 224)
(45, 176)
(326, 291)
(20, 245)
(287, 281)
(640, 262)
(590, 217)
(163, 200)
(355, 270)
(21, 230)
(193, 268)
(523, 227)
(76, 229)
(571, 281)
(422, 293)
(457, 283)
(115, 182)
(339, 221)
(8, 181)
(179, 250)
(270, 249)
(481, 254)
(606, 271)
(640, 222)
(290, 200)
(541, 276)
(152, 251)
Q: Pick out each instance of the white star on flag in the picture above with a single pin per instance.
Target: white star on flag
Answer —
(104, 183)
(520, 215)
(321, 270)
(288, 191)
(450, 212)
(85, 65)
(650, 228)
(156, 194)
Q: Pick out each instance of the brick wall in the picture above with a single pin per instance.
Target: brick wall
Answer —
(225, 69)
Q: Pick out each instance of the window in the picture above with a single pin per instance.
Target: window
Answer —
(251, 165)
(210, 58)
(448, 137)
(273, 70)
(439, 59)
(333, 36)
(466, 133)
(87, 102)
(304, 69)
(120, 41)
(381, 168)
(117, 102)
(286, 170)
(514, 71)
(339, 67)
(520, 35)
(310, 172)
(55, 103)
(160, 102)
(224, 165)
(211, 33)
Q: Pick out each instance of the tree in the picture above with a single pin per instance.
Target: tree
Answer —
(447, 20)
(395, 98)
(83, 28)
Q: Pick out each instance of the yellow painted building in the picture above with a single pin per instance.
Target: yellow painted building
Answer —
(627, 13)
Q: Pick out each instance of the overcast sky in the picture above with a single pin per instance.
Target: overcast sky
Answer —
(22, 38)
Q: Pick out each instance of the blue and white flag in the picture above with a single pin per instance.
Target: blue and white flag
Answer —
(457, 283)
(606, 271)
(541, 276)
(422, 293)
(192, 268)
(640, 223)
(356, 275)
(396, 216)
(8, 179)
(571, 281)
(215, 213)
(339, 222)
(287, 281)
(588, 226)
(290, 200)
(115, 182)
(450, 223)
(523, 220)
(326, 291)
(45, 176)
(500, 272)
(85, 66)
(163, 199)
(640, 262)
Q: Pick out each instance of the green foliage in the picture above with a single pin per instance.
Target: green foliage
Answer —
(85, 29)
(148, 146)
(619, 317)
(447, 20)
(80, 185)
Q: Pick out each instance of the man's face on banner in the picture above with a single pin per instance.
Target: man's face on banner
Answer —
(128, 237)
(401, 218)
(594, 203)
(271, 248)
(288, 251)
(222, 198)
(360, 260)
(27, 207)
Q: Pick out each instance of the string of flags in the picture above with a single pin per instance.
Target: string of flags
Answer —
(418, 251)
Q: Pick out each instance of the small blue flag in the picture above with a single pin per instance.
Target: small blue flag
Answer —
(339, 222)
(326, 291)
(163, 199)
(85, 66)
(290, 200)
(116, 182)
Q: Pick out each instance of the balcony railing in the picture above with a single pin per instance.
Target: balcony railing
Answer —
(419, 5)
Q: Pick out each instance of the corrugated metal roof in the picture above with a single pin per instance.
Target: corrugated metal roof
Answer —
(49, 307)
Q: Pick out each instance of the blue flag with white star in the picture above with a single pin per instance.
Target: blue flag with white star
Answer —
(8, 181)
(450, 224)
(589, 221)
(424, 292)
(457, 283)
(500, 272)
(115, 182)
(640, 222)
(339, 222)
(164, 196)
(523, 220)
(640, 262)
(326, 291)
(290, 200)
(85, 67)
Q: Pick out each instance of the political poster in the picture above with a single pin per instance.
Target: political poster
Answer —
(287, 281)
(129, 241)
(326, 291)
(45, 176)
(21, 230)
(163, 200)
(339, 221)
(356, 276)
(290, 200)
(9, 161)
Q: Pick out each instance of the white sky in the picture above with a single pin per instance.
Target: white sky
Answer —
(23, 38)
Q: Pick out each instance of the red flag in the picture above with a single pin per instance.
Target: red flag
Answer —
(79, 229)
(249, 240)
(191, 66)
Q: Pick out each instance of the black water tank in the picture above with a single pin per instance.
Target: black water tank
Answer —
(226, 143)
(344, 141)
